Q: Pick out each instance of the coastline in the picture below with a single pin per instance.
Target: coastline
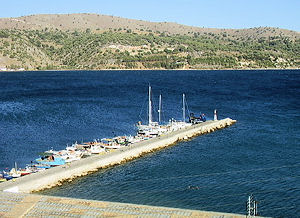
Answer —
(207, 69)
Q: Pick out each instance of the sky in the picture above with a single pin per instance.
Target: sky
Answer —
(234, 14)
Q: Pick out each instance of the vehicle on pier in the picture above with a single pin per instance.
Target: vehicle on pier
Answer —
(195, 120)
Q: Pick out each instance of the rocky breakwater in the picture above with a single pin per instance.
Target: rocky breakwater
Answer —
(57, 175)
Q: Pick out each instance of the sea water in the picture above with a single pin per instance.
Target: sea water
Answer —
(258, 155)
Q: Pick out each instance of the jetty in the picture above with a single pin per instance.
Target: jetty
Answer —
(67, 172)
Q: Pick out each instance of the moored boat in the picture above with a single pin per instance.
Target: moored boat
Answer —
(97, 149)
(14, 173)
(2, 179)
(154, 129)
(6, 176)
(52, 158)
(51, 161)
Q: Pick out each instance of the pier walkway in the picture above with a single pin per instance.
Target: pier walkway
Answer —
(31, 205)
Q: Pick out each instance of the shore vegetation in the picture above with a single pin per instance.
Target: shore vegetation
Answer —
(53, 49)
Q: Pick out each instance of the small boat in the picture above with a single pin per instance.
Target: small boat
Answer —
(6, 176)
(2, 179)
(97, 149)
(15, 173)
(41, 167)
(71, 157)
(71, 148)
(86, 153)
(50, 161)
(113, 146)
(70, 154)
(28, 170)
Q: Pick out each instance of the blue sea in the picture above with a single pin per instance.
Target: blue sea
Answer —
(259, 155)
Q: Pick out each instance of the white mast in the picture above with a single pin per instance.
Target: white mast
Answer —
(150, 107)
(159, 109)
(183, 107)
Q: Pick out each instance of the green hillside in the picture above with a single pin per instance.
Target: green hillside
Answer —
(50, 49)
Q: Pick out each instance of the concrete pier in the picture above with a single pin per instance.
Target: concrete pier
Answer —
(31, 205)
(57, 175)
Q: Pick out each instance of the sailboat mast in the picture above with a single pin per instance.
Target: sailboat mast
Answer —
(183, 107)
(159, 109)
(150, 107)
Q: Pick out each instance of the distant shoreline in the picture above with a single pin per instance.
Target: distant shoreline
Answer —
(11, 71)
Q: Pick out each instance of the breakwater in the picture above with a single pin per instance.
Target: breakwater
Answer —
(57, 175)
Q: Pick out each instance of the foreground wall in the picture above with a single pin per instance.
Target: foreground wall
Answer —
(55, 176)
(31, 205)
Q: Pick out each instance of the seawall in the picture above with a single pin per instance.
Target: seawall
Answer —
(57, 175)
(32, 205)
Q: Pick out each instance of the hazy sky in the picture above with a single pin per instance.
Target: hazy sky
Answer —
(203, 13)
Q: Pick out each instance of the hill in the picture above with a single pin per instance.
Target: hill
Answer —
(97, 22)
(92, 41)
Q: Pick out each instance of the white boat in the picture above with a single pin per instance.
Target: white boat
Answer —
(97, 149)
(86, 153)
(71, 158)
(14, 172)
(134, 139)
(71, 148)
(154, 129)
(113, 146)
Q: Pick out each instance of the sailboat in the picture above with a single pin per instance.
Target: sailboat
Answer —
(155, 128)
(14, 172)
(179, 124)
